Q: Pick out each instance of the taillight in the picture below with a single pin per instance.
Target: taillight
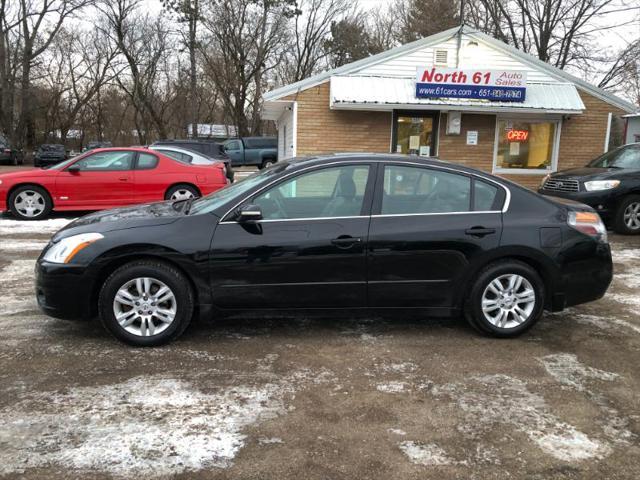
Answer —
(588, 223)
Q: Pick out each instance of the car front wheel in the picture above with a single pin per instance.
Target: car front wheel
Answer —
(146, 303)
(30, 202)
(506, 299)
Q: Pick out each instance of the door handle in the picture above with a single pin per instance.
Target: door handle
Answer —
(345, 241)
(479, 231)
(123, 179)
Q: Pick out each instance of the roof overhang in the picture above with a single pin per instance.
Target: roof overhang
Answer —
(273, 110)
(389, 93)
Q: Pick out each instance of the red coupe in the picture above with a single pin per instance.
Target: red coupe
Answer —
(106, 178)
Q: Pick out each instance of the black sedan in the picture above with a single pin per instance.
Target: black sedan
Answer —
(610, 184)
(347, 232)
(49, 154)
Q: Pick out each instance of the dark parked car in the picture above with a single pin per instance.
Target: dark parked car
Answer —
(49, 154)
(343, 232)
(96, 144)
(211, 149)
(610, 184)
(8, 155)
(261, 152)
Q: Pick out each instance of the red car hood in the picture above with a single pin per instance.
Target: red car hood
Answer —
(31, 173)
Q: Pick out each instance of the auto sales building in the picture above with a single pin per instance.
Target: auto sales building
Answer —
(460, 95)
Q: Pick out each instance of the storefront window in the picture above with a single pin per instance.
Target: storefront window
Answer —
(525, 145)
(414, 135)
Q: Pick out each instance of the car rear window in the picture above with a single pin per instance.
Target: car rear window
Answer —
(485, 196)
(261, 142)
(147, 161)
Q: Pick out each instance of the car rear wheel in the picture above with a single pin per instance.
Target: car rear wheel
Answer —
(181, 192)
(30, 202)
(627, 220)
(267, 163)
(146, 303)
(507, 298)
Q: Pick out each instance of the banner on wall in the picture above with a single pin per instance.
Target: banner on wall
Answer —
(492, 85)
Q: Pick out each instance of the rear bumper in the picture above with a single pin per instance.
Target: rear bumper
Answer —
(63, 291)
(588, 279)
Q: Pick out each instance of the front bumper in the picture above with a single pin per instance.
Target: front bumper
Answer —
(64, 290)
(601, 201)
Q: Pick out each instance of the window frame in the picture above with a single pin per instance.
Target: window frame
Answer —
(557, 120)
(367, 200)
(500, 204)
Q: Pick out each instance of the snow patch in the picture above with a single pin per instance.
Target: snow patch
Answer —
(404, 367)
(500, 399)
(619, 256)
(629, 300)
(566, 369)
(427, 454)
(19, 245)
(396, 431)
(392, 387)
(11, 227)
(148, 426)
(605, 323)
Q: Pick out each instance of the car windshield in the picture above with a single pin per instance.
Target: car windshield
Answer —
(218, 198)
(52, 147)
(61, 165)
(623, 157)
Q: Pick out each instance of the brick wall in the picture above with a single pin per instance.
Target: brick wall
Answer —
(322, 130)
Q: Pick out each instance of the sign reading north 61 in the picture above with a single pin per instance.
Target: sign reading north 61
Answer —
(493, 85)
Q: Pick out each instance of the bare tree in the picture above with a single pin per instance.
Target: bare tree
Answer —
(556, 31)
(142, 41)
(246, 42)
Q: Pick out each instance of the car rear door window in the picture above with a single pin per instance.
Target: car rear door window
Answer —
(147, 161)
(328, 192)
(484, 196)
(416, 190)
(113, 161)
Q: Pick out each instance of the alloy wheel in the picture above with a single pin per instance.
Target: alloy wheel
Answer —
(632, 216)
(508, 301)
(144, 306)
(182, 194)
(29, 203)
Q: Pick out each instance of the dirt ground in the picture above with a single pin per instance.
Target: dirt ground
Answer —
(329, 398)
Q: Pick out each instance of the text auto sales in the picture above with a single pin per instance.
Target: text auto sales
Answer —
(493, 85)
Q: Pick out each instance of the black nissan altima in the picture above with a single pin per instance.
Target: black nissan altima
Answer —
(343, 231)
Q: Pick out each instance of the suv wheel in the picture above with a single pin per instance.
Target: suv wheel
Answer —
(627, 219)
(146, 303)
(507, 298)
(30, 202)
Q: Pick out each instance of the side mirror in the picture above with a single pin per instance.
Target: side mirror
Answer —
(250, 213)
(74, 169)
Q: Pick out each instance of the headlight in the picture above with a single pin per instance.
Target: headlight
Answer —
(67, 248)
(546, 177)
(595, 185)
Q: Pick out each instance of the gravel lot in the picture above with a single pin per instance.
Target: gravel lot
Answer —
(319, 398)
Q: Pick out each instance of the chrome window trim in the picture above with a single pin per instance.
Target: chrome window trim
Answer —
(505, 206)
(433, 213)
(306, 219)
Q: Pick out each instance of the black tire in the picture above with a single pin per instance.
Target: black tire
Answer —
(230, 173)
(157, 270)
(473, 306)
(619, 222)
(176, 189)
(28, 191)
(267, 162)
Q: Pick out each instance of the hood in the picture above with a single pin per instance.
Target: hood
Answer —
(147, 215)
(31, 173)
(588, 173)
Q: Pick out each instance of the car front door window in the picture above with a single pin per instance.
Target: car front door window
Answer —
(106, 162)
(324, 193)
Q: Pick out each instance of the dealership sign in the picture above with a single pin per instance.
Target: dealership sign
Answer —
(494, 85)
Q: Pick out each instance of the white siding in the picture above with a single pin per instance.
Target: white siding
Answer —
(480, 56)
(286, 142)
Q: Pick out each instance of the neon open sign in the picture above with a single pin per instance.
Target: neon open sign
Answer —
(517, 135)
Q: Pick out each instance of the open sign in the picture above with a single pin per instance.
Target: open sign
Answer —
(517, 135)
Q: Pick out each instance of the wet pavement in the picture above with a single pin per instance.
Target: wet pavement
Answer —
(319, 398)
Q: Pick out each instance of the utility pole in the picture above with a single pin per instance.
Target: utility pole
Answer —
(460, 33)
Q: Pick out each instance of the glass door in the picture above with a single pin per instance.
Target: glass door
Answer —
(414, 133)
